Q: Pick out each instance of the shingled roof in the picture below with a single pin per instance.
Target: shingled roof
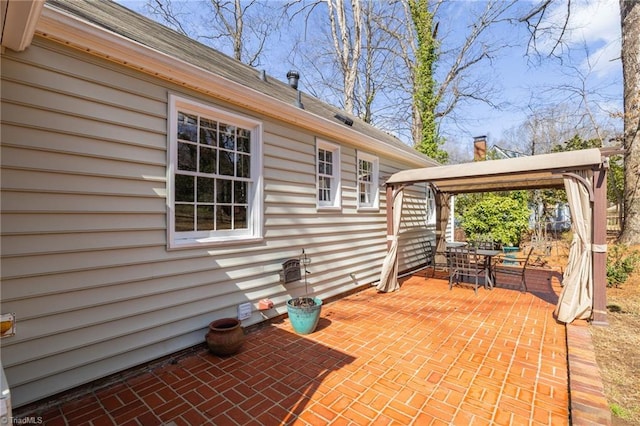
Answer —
(118, 19)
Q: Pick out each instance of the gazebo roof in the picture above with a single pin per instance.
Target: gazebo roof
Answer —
(532, 172)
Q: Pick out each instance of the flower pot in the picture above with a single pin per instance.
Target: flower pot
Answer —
(304, 314)
(510, 254)
(225, 336)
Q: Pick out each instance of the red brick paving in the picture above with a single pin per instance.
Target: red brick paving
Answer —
(424, 355)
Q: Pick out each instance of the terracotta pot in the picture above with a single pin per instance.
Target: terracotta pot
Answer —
(225, 336)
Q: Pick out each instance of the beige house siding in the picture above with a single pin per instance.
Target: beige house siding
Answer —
(85, 265)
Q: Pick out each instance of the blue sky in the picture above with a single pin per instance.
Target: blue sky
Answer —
(593, 48)
(522, 83)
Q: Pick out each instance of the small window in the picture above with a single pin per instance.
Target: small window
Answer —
(430, 207)
(368, 194)
(328, 175)
(214, 188)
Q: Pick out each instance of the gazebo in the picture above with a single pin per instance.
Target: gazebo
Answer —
(582, 173)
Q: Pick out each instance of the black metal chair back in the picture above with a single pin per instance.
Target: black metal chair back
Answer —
(466, 263)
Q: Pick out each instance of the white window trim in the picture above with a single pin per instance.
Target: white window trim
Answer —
(255, 213)
(336, 187)
(375, 195)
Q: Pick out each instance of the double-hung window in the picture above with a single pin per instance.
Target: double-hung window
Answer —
(214, 182)
(368, 194)
(328, 175)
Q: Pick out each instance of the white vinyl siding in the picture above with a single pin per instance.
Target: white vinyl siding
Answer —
(215, 163)
(84, 259)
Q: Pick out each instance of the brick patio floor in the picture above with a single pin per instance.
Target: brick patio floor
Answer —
(424, 355)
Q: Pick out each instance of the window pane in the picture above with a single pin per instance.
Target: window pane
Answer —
(226, 163)
(240, 217)
(227, 138)
(328, 169)
(244, 140)
(223, 191)
(184, 217)
(184, 188)
(206, 218)
(328, 156)
(240, 192)
(208, 136)
(187, 127)
(244, 165)
(207, 160)
(187, 157)
(324, 193)
(223, 217)
(206, 189)
(365, 191)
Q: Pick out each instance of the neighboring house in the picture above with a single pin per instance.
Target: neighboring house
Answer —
(151, 185)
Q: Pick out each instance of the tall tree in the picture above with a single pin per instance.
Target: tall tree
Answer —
(630, 55)
(630, 21)
(239, 27)
(425, 98)
(346, 33)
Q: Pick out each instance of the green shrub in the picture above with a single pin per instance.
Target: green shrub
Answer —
(501, 218)
(621, 262)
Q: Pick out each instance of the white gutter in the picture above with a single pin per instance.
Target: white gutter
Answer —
(69, 30)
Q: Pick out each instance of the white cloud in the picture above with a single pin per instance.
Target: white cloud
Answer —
(594, 24)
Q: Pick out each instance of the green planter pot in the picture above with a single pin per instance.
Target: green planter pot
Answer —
(510, 254)
(304, 318)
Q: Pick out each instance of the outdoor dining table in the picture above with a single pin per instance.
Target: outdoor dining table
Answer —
(451, 244)
(488, 255)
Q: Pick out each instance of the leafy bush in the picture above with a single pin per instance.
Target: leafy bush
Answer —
(502, 218)
(621, 262)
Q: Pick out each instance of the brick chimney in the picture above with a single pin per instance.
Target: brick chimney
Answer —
(479, 148)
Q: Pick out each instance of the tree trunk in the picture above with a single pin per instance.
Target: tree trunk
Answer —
(347, 43)
(630, 21)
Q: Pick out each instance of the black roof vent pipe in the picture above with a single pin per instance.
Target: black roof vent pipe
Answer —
(346, 120)
(293, 77)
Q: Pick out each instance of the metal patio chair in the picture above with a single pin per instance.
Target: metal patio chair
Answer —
(437, 261)
(466, 263)
(513, 266)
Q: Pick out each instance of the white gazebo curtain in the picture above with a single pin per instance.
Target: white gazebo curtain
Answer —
(389, 274)
(576, 298)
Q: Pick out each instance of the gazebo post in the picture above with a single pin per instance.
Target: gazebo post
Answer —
(442, 218)
(599, 247)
